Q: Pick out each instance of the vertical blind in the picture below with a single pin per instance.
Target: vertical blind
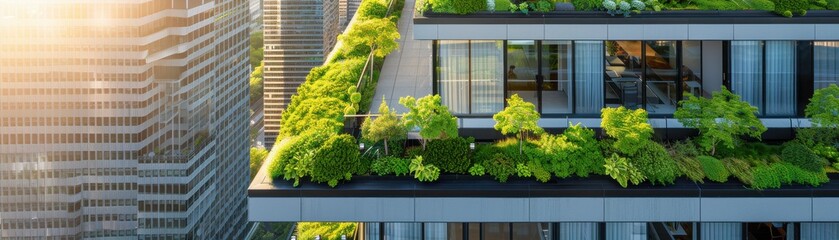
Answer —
(780, 78)
(747, 71)
(453, 74)
(487, 76)
(589, 76)
(825, 64)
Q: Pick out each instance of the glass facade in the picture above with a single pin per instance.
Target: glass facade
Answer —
(579, 78)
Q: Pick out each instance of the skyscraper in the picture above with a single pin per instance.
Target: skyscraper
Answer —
(123, 119)
(299, 34)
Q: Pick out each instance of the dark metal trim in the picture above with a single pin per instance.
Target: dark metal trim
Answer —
(434, 65)
(601, 17)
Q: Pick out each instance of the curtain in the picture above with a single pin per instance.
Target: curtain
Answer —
(721, 231)
(435, 231)
(453, 74)
(825, 64)
(626, 231)
(747, 71)
(403, 231)
(589, 76)
(780, 78)
(578, 231)
(487, 76)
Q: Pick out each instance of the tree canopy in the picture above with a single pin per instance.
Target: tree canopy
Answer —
(517, 118)
(431, 117)
(823, 109)
(384, 128)
(629, 128)
(722, 119)
(381, 33)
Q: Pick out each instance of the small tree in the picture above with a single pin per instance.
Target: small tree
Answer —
(629, 128)
(378, 35)
(823, 108)
(518, 118)
(432, 118)
(384, 128)
(720, 120)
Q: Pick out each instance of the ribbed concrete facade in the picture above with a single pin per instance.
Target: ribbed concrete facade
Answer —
(123, 119)
(298, 34)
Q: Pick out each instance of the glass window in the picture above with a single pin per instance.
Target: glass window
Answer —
(780, 78)
(453, 74)
(487, 88)
(692, 68)
(522, 69)
(825, 64)
(496, 231)
(662, 73)
(556, 68)
(623, 74)
(747, 71)
(588, 76)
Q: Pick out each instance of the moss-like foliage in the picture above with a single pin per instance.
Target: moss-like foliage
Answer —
(337, 159)
(294, 158)
(450, 155)
(458, 6)
(799, 155)
(654, 162)
(774, 175)
(390, 165)
(575, 151)
(788, 8)
(714, 169)
(740, 169)
(587, 5)
(691, 168)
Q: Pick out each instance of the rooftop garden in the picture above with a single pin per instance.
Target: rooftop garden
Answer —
(727, 145)
(786, 8)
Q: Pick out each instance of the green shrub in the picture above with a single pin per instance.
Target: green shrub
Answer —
(294, 157)
(502, 5)
(721, 120)
(799, 155)
(623, 171)
(538, 171)
(654, 162)
(691, 168)
(629, 128)
(316, 113)
(740, 168)
(370, 9)
(714, 169)
(390, 165)
(575, 151)
(766, 5)
(458, 6)
(587, 5)
(477, 170)
(788, 8)
(813, 137)
(495, 163)
(326, 230)
(685, 148)
(765, 177)
(772, 176)
(450, 155)
(522, 170)
(422, 172)
(335, 160)
(832, 4)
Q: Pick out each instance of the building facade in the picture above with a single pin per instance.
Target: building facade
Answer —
(298, 34)
(123, 119)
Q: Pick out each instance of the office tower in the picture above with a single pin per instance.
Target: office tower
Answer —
(347, 9)
(123, 119)
(299, 34)
(255, 9)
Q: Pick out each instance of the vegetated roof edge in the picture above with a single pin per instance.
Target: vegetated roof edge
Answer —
(661, 17)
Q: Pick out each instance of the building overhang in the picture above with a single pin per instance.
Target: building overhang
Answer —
(665, 25)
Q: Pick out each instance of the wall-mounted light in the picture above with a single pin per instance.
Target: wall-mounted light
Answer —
(361, 146)
(472, 146)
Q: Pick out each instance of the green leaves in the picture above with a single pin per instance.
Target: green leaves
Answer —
(720, 120)
(431, 117)
(383, 128)
(424, 173)
(823, 108)
(315, 113)
(381, 33)
(629, 128)
(519, 116)
(621, 169)
(336, 159)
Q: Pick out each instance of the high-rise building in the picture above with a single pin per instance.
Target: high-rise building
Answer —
(347, 9)
(123, 119)
(255, 8)
(299, 34)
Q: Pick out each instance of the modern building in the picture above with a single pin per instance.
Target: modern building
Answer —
(346, 11)
(255, 9)
(571, 65)
(298, 34)
(123, 119)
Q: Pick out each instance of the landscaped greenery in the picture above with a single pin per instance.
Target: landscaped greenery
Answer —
(787, 8)
(627, 151)
(326, 230)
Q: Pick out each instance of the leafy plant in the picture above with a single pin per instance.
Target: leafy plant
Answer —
(257, 157)
(801, 156)
(371, 9)
(477, 170)
(721, 120)
(522, 170)
(524, 7)
(691, 168)
(544, 6)
(337, 159)
(424, 173)
(823, 109)
(624, 7)
(316, 113)
(772, 176)
(629, 128)
(654, 162)
(295, 156)
(740, 168)
(538, 171)
(384, 128)
(622, 170)
(458, 6)
(714, 169)
(326, 230)
(788, 8)
(431, 117)
(390, 165)
(450, 155)
(587, 5)
(575, 151)
(519, 117)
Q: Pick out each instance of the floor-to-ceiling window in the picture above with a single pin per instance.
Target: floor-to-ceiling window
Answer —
(624, 70)
(825, 64)
(691, 68)
(452, 72)
(522, 70)
(556, 68)
(763, 74)
(661, 62)
(470, 75)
